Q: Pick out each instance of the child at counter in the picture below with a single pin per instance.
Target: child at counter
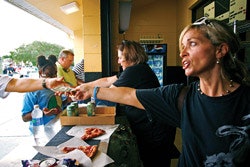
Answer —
(48, 102)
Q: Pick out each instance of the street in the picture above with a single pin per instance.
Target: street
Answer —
(13, 131)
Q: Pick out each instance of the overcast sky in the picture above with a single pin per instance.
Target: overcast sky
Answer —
(18, 27)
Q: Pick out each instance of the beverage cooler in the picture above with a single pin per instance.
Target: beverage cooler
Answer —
(157, 59)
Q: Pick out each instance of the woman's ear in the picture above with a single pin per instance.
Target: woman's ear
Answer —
(222, 50)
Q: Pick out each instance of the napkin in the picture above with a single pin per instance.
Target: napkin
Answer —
(99, 160)
(79, 130)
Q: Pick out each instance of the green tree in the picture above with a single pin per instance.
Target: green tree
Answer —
(29, 52)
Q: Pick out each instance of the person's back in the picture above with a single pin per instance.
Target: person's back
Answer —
(45, 98)
(79, 71)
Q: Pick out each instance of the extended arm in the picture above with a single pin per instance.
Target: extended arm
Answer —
(103, 82)
(30, 85)
(123, 95)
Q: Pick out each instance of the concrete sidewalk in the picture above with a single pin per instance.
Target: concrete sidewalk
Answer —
(15, 136)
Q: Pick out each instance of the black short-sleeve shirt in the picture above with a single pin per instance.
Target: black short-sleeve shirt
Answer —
(214, 129)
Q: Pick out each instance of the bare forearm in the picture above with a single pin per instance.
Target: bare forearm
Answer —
(103, 82)
(24, 85)
(121, 95)
(30, 85)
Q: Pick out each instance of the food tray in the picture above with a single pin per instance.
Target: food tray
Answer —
(103, 116)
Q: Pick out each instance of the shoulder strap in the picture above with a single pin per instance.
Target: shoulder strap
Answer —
(181, 97)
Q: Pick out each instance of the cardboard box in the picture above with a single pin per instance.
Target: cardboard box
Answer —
(217, 8)
(209, 10)
(238, 10)
(103, 116)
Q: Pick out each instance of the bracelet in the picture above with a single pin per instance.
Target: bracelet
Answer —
(44, 83)
(96, 89)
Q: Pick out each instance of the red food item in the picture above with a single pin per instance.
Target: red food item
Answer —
(92, 133)
(90, 151)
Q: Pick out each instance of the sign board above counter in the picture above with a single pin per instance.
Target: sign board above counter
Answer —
(228, 10)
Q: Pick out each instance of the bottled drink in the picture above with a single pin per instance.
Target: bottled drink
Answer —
(91, 107)
(38, 126)
(70, 110)
(75, 103)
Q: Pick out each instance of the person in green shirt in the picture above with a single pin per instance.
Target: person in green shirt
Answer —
(65, 60)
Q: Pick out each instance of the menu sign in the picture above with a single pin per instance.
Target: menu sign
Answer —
(238, 10)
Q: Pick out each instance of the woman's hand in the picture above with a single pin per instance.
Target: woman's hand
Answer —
(82, 92)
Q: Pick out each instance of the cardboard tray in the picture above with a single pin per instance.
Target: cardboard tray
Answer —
(103, 116)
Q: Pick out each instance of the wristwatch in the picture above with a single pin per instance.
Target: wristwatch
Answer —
(44, 83)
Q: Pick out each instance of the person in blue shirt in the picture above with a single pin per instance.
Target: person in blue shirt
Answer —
(45, 98)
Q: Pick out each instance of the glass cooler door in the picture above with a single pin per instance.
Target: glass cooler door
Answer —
(157, 59)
